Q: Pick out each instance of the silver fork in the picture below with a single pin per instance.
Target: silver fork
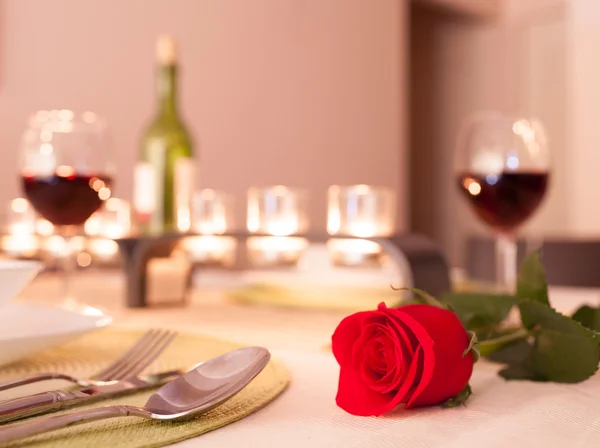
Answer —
(132, 362)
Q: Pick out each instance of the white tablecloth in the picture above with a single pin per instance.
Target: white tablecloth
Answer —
(499, 414)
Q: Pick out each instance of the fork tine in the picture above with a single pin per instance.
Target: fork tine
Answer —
(117, 372)
(145, 359)
(107, 373)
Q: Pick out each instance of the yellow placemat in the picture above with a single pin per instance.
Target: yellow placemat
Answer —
(88, 354)
(328, 298)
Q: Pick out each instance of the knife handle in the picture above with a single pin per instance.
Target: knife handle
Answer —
(36, 404)
(36, 378)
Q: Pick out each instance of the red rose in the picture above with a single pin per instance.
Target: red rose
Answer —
(412, 355)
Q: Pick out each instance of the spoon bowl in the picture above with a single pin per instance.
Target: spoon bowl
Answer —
(207, 385)
(203, 388)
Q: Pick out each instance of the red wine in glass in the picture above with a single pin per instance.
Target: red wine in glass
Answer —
(504, 200)
(66, 198)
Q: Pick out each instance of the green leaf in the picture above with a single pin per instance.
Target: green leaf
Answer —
(459, 399)
(588, 316)
(479, 310)
(517, 358)
(535, 314)
(531, 281)
(518, 372)
(563, 351)
(473, 346)
(564, 357)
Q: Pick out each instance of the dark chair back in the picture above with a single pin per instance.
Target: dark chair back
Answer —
(568, 262)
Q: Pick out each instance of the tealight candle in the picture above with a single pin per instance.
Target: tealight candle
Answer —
(210, 249)
(21, 240)
(277, 211)
(270, 250)
(104, 249)
(113, 220)
(44, 227)
(20, 245)
(210, 218)
(361, 211)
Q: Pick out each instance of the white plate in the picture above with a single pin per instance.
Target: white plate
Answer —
(26, 329)
(14, 276)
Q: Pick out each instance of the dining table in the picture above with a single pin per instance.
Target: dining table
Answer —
(499, 414)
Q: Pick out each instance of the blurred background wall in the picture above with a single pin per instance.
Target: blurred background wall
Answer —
(303, 93)
(315, 92)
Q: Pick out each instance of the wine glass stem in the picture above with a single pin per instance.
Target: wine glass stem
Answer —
(506, 262)
(68, 262)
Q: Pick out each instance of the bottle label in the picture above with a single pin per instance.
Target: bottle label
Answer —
(184, 190)
(145, 190)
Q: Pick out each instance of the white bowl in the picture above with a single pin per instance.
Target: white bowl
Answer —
(14, 276)
(27, 328)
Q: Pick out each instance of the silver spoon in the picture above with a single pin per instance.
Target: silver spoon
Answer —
(200, 390)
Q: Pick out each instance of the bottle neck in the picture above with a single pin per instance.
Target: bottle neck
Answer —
(167, 92)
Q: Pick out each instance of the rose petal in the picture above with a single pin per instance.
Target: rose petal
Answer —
(346, 334)
(375, 353)
(405, 390)
(382, 370)
(355, 394)
(445, 371)
(411, 375)
(404, 348)
(360, 354)
(356, 398)
(399, 358)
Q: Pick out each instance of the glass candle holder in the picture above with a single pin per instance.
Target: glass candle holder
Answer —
(103, 250)
(361, 211)
(278, 211)
(211, 212)
(211, 217)
(44, 227)
(20, 239)
(112, 221)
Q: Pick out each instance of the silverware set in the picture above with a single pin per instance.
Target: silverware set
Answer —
(175, 400)
(133, 361)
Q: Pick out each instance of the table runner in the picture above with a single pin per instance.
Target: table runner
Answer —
(86, 355)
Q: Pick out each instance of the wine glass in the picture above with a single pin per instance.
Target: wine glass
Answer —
(66, 172)
(503, 170)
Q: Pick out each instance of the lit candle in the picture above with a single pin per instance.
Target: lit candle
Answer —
(20, 245)
(210, 217)
(210, 212)
(353, 251)
(277, 211)
(113, 220)
(210, 249)
(21, 240)
(361, 211)
(269, 250)
(58, 247)
(103, 248)
(44, 227)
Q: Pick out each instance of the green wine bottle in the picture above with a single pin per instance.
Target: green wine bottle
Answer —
(164, 176)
